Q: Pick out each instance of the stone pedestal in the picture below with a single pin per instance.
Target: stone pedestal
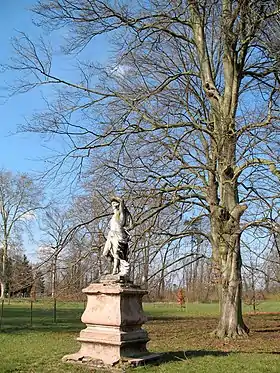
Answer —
(113, 317)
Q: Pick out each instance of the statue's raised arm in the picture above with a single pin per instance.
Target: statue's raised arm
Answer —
(122, 213)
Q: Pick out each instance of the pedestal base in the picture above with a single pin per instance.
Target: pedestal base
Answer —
(77, 358)
(114, 316)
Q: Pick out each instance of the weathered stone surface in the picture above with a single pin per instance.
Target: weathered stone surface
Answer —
(114, 316)
(120, 366)
(105, 279)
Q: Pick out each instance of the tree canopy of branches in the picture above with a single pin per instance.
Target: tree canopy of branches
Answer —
(184, 114)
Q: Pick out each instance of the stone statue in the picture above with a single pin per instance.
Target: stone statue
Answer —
(116, 246)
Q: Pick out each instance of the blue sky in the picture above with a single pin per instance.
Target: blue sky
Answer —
(21, 152)
(17, 152)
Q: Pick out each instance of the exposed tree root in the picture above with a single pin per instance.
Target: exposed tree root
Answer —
(233, 333)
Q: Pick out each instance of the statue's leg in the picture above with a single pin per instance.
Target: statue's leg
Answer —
(116, 260)
(106, 247)
(116, 263)
(116, 266)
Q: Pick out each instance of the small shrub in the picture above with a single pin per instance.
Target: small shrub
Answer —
(181, 298)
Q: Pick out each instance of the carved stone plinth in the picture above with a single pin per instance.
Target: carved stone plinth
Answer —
(113, 317)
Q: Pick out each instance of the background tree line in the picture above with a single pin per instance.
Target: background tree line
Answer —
(64, 265)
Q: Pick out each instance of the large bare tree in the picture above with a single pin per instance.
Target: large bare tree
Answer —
(186, 112)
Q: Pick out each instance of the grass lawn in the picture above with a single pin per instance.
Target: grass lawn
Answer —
(182, 334)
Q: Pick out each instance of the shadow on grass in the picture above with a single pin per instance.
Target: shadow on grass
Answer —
(166, 318)
(267, 330)
(178, 318)
(184, 355)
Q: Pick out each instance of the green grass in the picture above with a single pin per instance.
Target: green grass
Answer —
(267, 306)
(230, 363)
(184, 335)
(17, 316)
(173, 310)
(202, 309)
(39, 348)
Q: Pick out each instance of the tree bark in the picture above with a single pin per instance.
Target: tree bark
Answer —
(4, 267)
(231, 322)
(146, 266)
(227, 257)
(2, 289)
(54, 269)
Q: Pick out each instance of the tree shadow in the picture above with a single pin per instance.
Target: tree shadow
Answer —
(178, 318)
(267, 330)
(172, 356)
(166, 318)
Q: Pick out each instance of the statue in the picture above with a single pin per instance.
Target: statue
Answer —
(116, 246)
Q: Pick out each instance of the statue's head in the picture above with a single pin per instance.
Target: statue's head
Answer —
(115, 202)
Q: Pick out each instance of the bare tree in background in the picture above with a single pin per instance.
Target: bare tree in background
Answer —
(55, 225)
(270, 270)
(70, 251)
(186, 112)
(19, 200)
(90, 207)
(83, 259)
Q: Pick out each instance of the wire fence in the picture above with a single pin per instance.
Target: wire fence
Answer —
(41, 314)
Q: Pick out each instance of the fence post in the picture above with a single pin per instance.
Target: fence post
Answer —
(31, 312)
(54, 310)
(2, 312)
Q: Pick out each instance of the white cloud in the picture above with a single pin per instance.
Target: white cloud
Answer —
(120, 70)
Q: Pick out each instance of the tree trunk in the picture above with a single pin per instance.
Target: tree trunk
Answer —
(146, 267)
(4, 269)
(266, 282)
(54, 269)
(161, 285)
(2, 289)
(231, 322)
(226, 253)
(190, 279)
(226, 214)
